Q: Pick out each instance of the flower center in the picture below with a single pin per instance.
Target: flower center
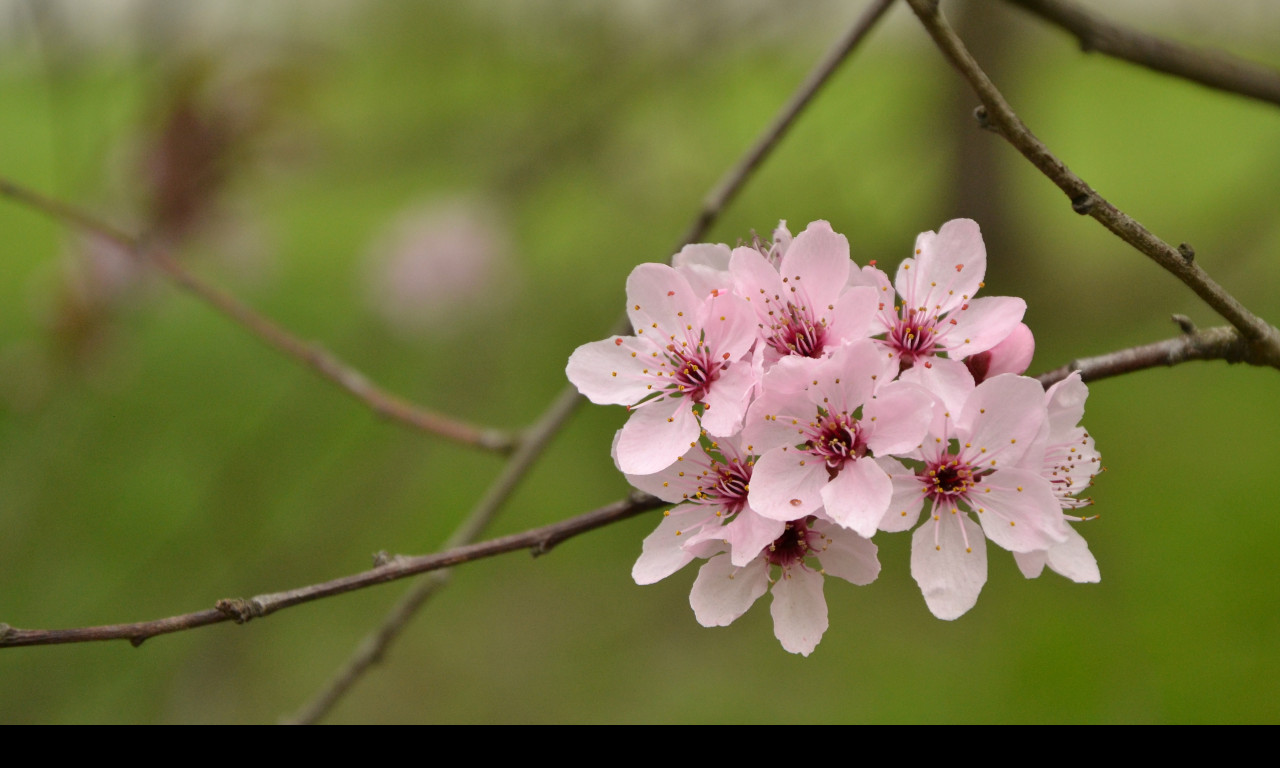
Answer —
(798, 334)
(695, 372)
(948, 479)
(794, 545)
(837, 438)
(733, 481)
(914, 335)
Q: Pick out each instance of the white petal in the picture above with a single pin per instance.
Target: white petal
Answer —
(722, 593)
(850, 557)
(662, 553)
(950, 571)
(1073, 559)
(799, 610)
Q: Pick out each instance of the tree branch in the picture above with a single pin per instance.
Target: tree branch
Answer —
(375, 644)
(736, 177)
(997, 115)
(1221, 343)
(1214, 69)
(538, 540)
(314, 356)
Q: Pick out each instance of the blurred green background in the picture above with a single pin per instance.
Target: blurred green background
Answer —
(450, 197)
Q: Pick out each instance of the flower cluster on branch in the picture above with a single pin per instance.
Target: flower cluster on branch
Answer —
(792, 405)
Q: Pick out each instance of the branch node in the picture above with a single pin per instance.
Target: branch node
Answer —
(5, 629)
(137, 640)
(984, 119)
(1188, 253)
(1184, 323)
(381, 558)
(1083, 203)
(240, 610)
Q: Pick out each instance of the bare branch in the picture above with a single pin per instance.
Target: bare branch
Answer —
(537, 540)
(374, 646)
(314, 356)
(1211, 68)
(736, 177)
(997, 115)
(1221, 343)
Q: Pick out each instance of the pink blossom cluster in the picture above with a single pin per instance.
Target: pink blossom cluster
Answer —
(791, 405)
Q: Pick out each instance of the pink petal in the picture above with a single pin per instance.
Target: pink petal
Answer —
(850, 557)
(705, 266)
(853, 314)
(1013, 355)
(981, 324)
(897, 419)
(858, 497)
(722, 593)
(817, 265)
(727, 400)
(949, 267)
(786, 485)
(799, 610)
(950, 571)
(1018, 510)
(1003, 416)
(610, 372)
(748, 534)
(658, 298)
(1065, 401)
(908, 497)
(656, 435)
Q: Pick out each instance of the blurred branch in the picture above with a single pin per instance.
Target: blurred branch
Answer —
(314, 356)
(538, 540)
(1221, 343)
(1211, 68)
(996, 114)
(374, 646)
(736, 177)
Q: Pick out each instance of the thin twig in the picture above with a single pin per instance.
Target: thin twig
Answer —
(734, 179)
(538, 540)
(1215, 69)
(1221, 343)
(373, 647)
(997, 115)
(314, 356)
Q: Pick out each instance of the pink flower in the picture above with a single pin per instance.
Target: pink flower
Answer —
(724, 591)
(819, 424)
(711, 493)
(685, 358)
(1070, 463)
(804, 305)
(938, 314)
(973, 464)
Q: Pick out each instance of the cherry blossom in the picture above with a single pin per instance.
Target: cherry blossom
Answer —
(937, 313)
(687, 356)
(818, 428)
(804, 305)
(1070, 463)
(972, 464)
(724, 591)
